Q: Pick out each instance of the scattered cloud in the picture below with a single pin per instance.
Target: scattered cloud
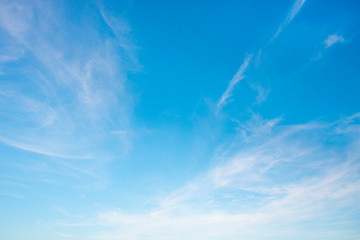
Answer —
(261, 93)
(332, 39)
(68, 105)
(70, 87)
(240, 73)
(283, 178)
(69, 90)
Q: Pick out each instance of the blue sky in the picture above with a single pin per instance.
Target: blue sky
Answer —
(179, 119)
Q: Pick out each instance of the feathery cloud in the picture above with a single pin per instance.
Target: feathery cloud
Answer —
(239, 74)
(68, 95)
(236, 78)
(284, 178)
(290, 16)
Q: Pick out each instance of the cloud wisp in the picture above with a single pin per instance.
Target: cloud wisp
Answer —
(236, 78)
(278, 182)
(69, 91)
(332, 39)
(240, 73)
(290, 16)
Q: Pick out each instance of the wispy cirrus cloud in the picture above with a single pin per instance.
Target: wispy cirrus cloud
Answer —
(278, 182)
(240, 73)
(236, 78)
(289, 17)
(57, 101)
(40, 148)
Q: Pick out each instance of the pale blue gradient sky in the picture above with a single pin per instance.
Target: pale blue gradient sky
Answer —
(179, 120)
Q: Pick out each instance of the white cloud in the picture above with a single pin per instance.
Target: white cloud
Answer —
(236, 78)
(275, 185)
(332, 39)
(240, 73)
(290, 16)
(70, 92)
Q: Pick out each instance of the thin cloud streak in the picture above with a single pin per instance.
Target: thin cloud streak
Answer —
(236, 78)
(290, 16)
(38, 149)
(239, 75)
